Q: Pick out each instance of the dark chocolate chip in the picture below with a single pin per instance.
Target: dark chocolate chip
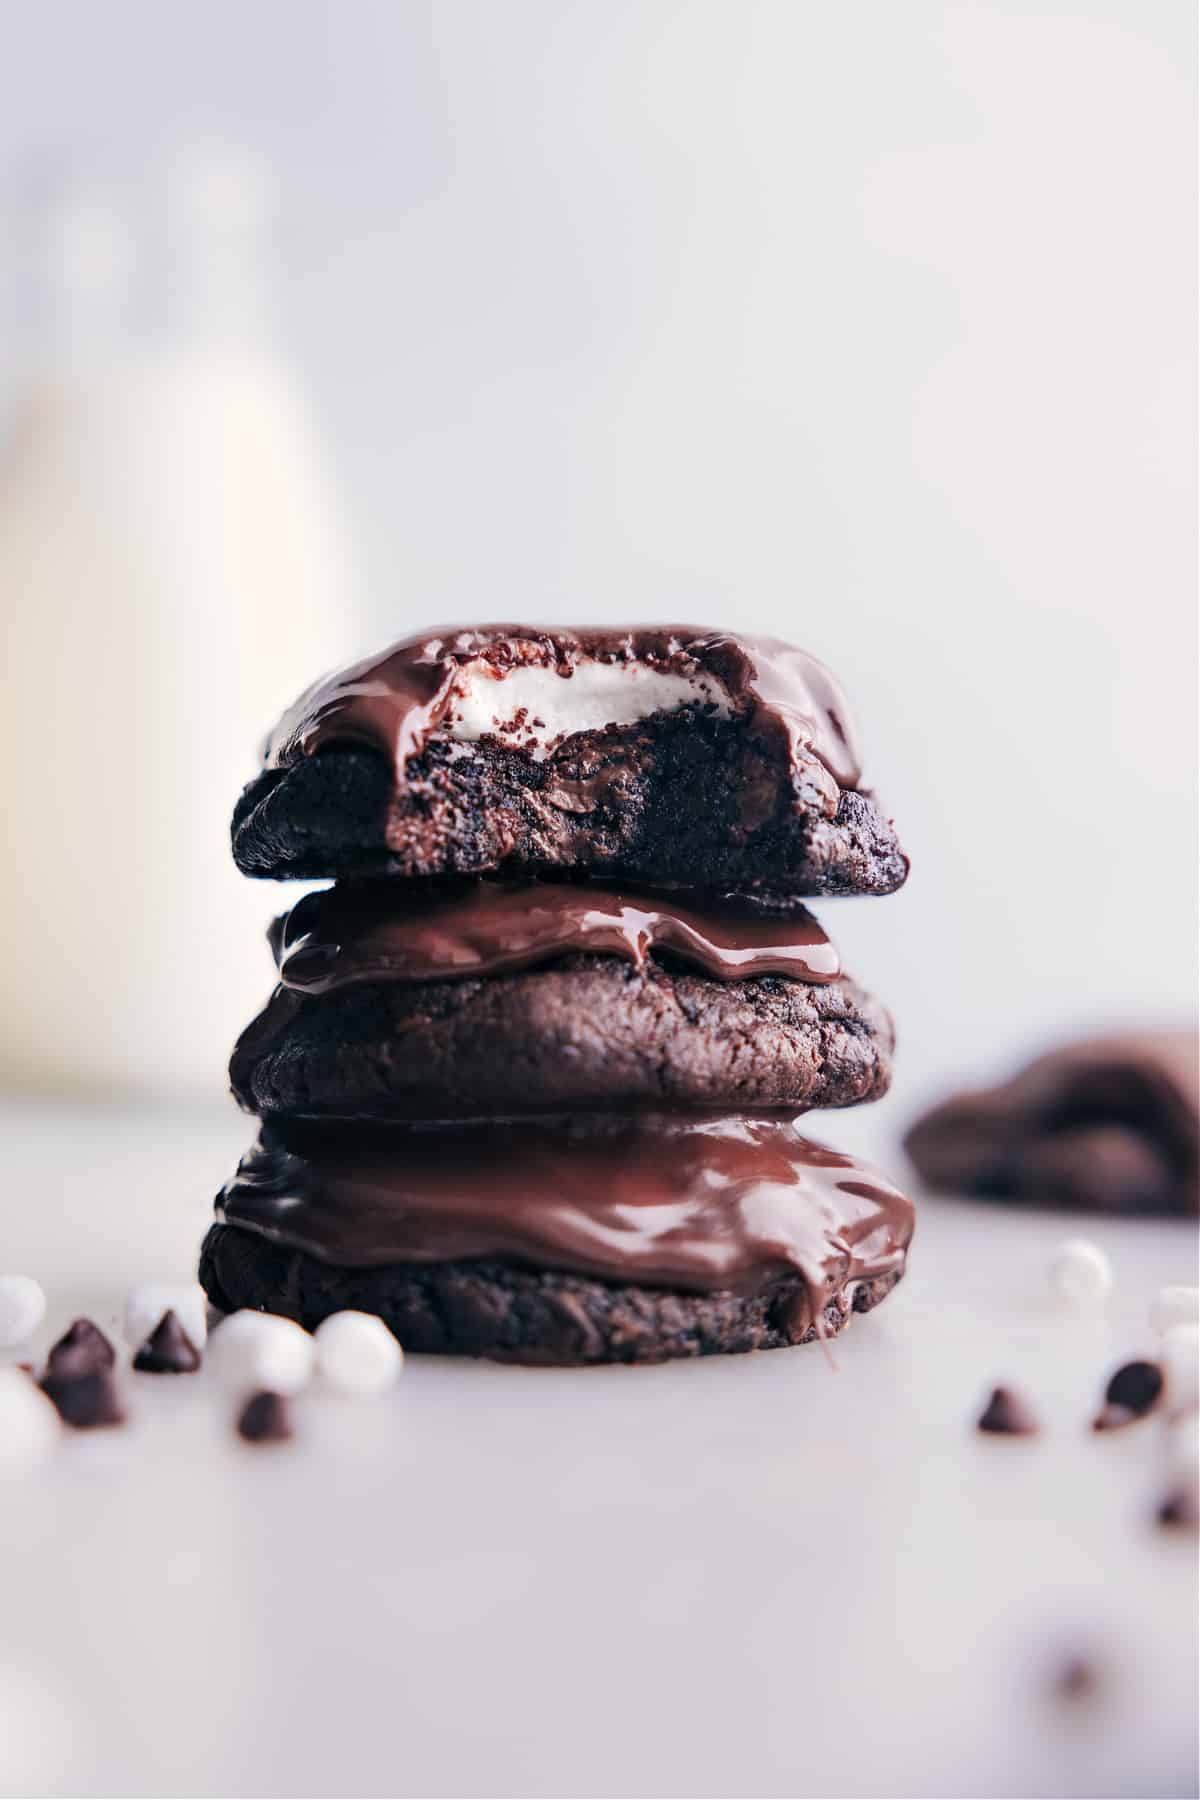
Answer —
(168, 1350)
(1077, 1679)
(1008, 1412)
(85, 1400)
(265, 1419)
(83, 1350)
(1134, 1391)
(1180, 1509)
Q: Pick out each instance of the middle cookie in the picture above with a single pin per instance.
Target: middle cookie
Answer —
(398, 1001)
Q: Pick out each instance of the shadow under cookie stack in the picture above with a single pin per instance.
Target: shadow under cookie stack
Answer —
(529, 1083)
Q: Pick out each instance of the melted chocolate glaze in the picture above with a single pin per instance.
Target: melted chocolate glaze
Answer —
(698, 1204)
(381, 932)
(394, 701)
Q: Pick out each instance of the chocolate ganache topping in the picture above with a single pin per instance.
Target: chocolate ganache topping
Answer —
(698, 1204)
(379, 931)
(433, 682)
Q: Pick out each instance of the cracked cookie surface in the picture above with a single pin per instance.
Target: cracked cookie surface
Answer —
(511, 1314)
(678, 800)
(587, 1032)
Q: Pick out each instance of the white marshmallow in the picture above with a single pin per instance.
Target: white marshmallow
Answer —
(357, 1353)
(29, 1425)
(261, 1350)
(595, 694)
(22, 1306)
(1183, 1443)
(146, 1303)
(1180, 1353)
(1175, 1306)
(1080, 1274)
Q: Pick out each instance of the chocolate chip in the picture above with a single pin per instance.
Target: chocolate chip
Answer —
(1180, 1511)
(1134, 1391)
(1077, 1679)
(265, 1419)
(1009, 1412)
(85, 1400)
(168, 1350)
(83, 1350)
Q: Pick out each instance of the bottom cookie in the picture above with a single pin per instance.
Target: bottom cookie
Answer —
(511, 1314)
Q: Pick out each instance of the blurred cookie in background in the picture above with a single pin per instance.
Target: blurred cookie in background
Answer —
(1107, 1124)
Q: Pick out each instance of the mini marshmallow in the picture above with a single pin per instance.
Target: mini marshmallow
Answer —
(537, 707)
(262, 1350)
(1175, 1306)
(1080, 1274)
(29, 1426)
(146, 1303)
(22, 1306)
(1180, 1353)
(1183, 1443)
(357, 1353)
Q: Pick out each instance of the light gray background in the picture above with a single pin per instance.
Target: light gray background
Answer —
(871, 325)
(867, 324)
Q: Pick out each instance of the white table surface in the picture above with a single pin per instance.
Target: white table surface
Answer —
(771, 1575)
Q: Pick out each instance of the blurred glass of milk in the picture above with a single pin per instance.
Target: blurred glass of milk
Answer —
(173, 568)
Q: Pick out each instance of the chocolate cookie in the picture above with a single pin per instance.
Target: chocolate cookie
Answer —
(575, 1239)
(666, 756)
(508, 1314)
(588, 1031)
(1110, 1124)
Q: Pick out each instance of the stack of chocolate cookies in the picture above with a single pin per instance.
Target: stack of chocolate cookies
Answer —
(529, 1083)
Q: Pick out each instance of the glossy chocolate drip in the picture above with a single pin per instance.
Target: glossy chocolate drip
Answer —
(697, 1204)
(380, 932)
(394, 701)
